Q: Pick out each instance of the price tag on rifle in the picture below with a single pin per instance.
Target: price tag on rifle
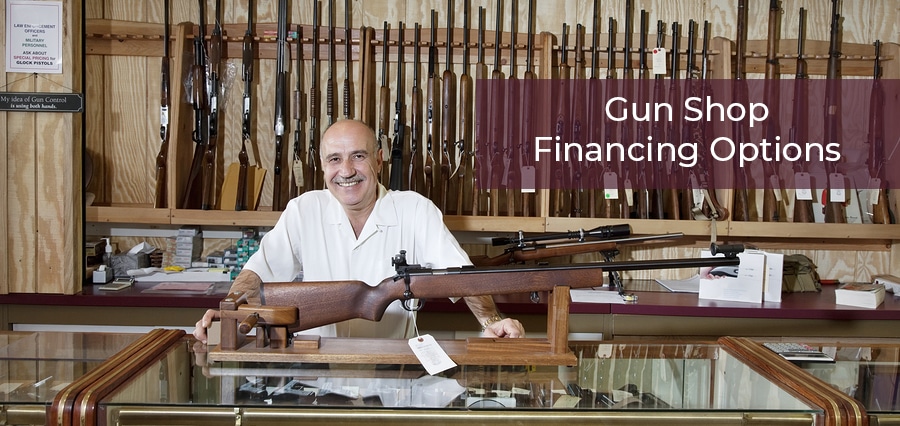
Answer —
(610, 186)
(528, 178)
(659, 60)
(874, 191)
(804, 186)
(430, 354)
(629, 192)
(837, 192)
(696, 192)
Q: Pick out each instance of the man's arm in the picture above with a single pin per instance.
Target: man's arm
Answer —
(485, 311)
(248, 282)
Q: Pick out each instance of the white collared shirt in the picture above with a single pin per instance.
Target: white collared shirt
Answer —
(313, 237)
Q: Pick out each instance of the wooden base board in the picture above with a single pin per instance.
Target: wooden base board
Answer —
(475, 351)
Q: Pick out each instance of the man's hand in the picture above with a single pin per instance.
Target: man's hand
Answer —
(204, 323)
(507, 327)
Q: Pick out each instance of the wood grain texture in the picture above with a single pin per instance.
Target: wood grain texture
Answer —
(5, 241)
(21, 196)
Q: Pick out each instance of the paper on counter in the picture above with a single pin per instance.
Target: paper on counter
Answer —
(581, 295)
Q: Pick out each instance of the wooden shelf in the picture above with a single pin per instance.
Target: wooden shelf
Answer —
(146, 215)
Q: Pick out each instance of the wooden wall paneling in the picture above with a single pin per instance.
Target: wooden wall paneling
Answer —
(21, 195)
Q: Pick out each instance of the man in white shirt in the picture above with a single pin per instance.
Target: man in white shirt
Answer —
(350, 232)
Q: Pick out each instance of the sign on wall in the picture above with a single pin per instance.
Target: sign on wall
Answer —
(34, 36)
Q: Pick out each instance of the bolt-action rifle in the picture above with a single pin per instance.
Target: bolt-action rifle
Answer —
(240, 201)
(162, 157)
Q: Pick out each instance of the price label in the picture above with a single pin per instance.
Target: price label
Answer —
(610, 186)
(804, 186)
(430, 354)
(838, 191)
(528, 179)
(658, 59)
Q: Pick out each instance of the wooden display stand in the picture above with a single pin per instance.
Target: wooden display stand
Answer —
(273, 342)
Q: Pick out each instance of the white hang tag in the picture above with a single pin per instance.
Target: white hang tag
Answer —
(874, 190)
(837, 191)
(775, 187)
(164, 116)
(610, 186)
(696, 192)
(298, 172)
(385, 149)
(629, 192)
(504, 181)
(528, 179)
(430, 354)
(659, 60)
(804, 186)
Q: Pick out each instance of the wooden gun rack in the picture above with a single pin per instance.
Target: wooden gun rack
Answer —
(274, 343)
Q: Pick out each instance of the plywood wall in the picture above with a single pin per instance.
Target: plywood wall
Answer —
(42, 217)
(122, 121)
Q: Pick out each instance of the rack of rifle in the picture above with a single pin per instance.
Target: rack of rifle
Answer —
(425, 120)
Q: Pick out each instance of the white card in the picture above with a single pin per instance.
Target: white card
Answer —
(528, 181)
(430, 354)
(837, 189)
(659, 60)
(629, 192)
(804, 186)
(610, 186)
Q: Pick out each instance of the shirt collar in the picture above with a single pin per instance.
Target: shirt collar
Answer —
(384, 213)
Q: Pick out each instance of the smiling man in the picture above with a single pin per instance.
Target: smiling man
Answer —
(350, 231)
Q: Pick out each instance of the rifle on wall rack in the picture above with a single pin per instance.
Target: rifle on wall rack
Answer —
(833, 205)
(414, 176)
(643, 182)
(496, 111)
(578, 118)
(240, 201)
(448, 120)
(464, 137)
(657, 132)
(611, 207)
(162, 157)
(711, 209)
(528, 173)
(740, 210)
(803, 194)
(348, 56)
(200, 133)
(282, 61)
(594, 172)
(478, 159)
(298, 169)
(672, 205)
(396, 178)
(881, 213)
(772, 206)
(384, 110)
(628, 176)
(513, 126)
(209, 157)
(431, 90)
(558, 195)
(311, 179)
(330, 102)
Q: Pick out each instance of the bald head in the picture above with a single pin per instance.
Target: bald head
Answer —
(350, 129)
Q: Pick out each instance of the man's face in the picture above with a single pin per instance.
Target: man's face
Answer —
(350, 162)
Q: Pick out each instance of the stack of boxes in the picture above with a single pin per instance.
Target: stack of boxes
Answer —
(188, 246)
(245, 247)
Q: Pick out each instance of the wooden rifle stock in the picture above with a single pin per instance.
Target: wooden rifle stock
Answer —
(396, 178)
(328, 302)
(771, 198)
(192, 193)
(803, 208)
(686, 199)
(209, 157)
(740, 210)
(593, 172)
(611, 207)
(448, 121)
(627, 127)
(880, 211)
(240, 201)
(464, 141)
(834, 209)
(162, 157)
(414, 176)
(558, 205)
(384, 110)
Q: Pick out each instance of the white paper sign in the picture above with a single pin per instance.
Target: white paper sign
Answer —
(34, 36)
(744, 283)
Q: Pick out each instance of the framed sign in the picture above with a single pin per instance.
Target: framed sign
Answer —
(34, 36)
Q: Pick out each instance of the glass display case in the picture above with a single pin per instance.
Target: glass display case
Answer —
(35, 367)
(867, 370)
(621, 383)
